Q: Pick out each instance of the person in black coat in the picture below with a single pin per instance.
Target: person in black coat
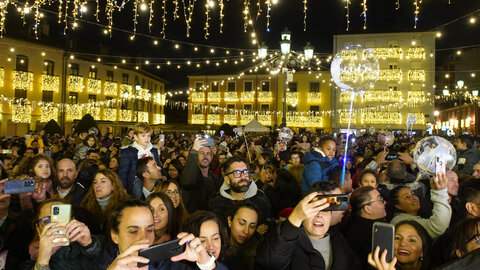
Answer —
(304, 241)
(368, 207)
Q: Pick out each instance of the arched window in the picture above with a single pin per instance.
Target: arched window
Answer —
(21, 63)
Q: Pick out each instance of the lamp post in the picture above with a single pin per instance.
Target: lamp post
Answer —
(460, 85)
(285, 43)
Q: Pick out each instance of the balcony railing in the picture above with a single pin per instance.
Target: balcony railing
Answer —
(247, 96)
(111, 89)
(381, 118)
(314, 97)
(126, 88)
(230, 96)
(387, 53)
(144, 94)
(23, 80)
(265, 119)
(159, 98)
(74, 111)
(264, 96)
(126, 115)
(213, 118)
(158, 119)
(213, 97)
(94, 86)
(198, 119)
(50, 83)
(230, 119)
(48, 113)
(142, 117)
(110, 114)
(22, 113)
(75, 84)
(416, 97)
(416, 75)
(304, 121)
(416, 53)
(246, 118)
(198, 97)
(93, 111)
(292, 97)
(390, 75)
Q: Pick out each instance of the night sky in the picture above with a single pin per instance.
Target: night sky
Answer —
(324, 19)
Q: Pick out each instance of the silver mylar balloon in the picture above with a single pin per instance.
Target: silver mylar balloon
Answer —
(386, 138)
(285, 134)
(430, 149)
(355, 68)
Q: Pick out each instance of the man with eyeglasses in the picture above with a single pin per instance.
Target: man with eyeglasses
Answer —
(238, 186)
(197, 182)
(368, 207)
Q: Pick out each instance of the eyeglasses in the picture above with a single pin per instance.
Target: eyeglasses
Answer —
(377, 200)
(238, 173)
(44, 221)
(475, 237)
(175, 193)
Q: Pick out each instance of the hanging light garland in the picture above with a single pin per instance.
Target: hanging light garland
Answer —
(347, 9)
(364, 14)
(207, 18)
(416, 4)
(305, 15)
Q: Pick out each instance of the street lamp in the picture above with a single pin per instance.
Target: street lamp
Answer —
(285, 43)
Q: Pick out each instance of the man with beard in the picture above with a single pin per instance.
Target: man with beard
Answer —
(69, 189)
(238, 186)
(197, 182)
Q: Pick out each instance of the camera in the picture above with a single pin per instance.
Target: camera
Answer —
(56, 210)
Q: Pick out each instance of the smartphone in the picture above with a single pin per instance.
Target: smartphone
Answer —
(48, 154)
(391, 156)
(161, 252)
(338, 202)
(19, 186)
(440, 166)
(161, 137)
(210, 141)
(5, 151)
(383, 237)
(61, 213)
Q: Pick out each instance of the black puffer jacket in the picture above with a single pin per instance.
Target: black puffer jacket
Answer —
(288, 247)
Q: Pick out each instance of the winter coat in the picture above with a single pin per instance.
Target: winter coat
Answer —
(196, 189)
(127, 166)
(317, 167)
(288, 247)
(466, 160)
(222, 204)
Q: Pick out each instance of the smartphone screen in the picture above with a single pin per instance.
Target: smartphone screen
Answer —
(61, 214)
(383, 237)
(440, 165)
(161, 137)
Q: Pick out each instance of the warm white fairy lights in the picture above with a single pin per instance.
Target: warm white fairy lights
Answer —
(75, 84)
(22, 113)
(94, 86)
(111, 89)
(50, 83)
(23, 80)
(48, 113)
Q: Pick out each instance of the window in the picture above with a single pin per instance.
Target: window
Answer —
(73, 98)
(109, 75)
(231, 87)
(198, 86)
(247, 107)
(48, 67)
(214, 109)
(92, 74)
(22, 63)
(92, 98)
(247, 86)
(292, 86)
(265, 86)
(231, 108)
(292, 108)
(315, 87)
(47, 96)
(214, 87)
(110, 104)
(124, 78)
(392, 87)
(314, 108)
(265, 107)
(392, 66)
(392, 43)
(198, 109)
(20, 93)
(73, 69)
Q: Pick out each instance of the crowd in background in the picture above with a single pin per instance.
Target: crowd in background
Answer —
(237, 202)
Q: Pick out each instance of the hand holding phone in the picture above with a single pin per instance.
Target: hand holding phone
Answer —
(383, 239)
(19, 186)
(338, 202)
(161, 252)
(61, 214)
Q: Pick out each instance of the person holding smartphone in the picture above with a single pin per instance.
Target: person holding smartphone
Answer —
(305, 241)
(81, 253)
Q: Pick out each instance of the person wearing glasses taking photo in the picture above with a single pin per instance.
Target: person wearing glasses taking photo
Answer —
(238, 186)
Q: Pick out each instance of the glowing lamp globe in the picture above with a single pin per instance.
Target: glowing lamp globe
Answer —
(285, 134)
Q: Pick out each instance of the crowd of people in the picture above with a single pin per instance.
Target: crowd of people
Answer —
(249, 202)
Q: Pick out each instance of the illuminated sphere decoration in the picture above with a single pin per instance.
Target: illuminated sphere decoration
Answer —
(240, 132)
(386, 138)
(355, 68)
(431, 149)
(285, 134)
(93, 130)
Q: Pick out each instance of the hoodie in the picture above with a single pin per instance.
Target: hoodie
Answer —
(222, 204)
(317, 167)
